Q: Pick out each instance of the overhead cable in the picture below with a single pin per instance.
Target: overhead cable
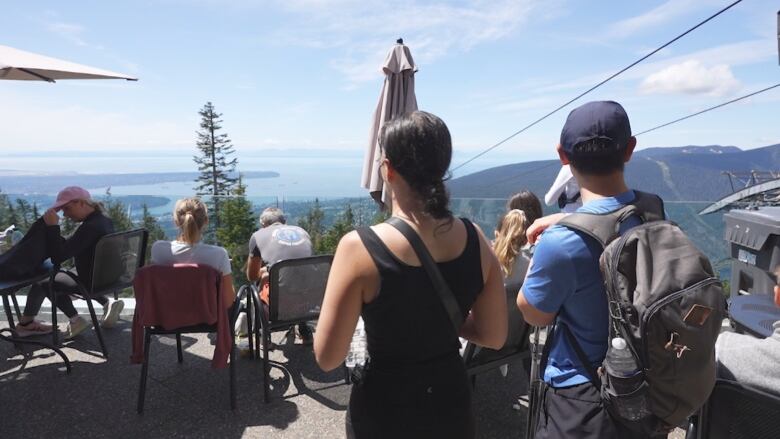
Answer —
(709, 109)
(706, 110)
(596, 86)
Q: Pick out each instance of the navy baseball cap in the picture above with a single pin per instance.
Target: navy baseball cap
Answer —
(605, 120)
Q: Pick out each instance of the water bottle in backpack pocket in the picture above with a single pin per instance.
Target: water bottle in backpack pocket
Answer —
(625, 388)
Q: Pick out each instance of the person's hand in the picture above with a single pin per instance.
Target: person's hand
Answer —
(540, 225)
(51, 218)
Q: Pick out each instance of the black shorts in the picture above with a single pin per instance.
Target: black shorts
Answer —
(577, 412)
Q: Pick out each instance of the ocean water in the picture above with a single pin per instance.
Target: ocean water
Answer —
(335, 176)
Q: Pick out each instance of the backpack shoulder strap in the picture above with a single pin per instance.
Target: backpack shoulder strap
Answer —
(604, 227)
(649, 206)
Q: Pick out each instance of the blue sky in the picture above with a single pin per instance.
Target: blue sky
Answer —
(305, 74)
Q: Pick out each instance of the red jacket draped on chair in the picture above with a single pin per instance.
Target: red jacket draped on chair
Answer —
(177, 296)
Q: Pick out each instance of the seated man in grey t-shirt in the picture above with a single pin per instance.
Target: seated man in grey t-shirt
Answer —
(274, 242)
(750, 360)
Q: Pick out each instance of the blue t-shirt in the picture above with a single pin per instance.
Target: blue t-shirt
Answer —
(564, 278)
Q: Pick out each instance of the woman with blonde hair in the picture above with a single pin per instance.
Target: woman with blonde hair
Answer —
(191, 217)
(415, 383)
(511, 246)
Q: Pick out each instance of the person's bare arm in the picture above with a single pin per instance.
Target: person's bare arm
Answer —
(228, 292)
(487, 324)
(342, 303)
(253, 265)
(540, 225)
(532, 315)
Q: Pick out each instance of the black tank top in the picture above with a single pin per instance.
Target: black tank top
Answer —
(407, 323)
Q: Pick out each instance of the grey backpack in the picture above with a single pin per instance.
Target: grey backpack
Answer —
(666, 303)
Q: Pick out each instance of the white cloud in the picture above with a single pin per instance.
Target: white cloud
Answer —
(43, 124)
(75, 34)
(693, 78)
(364, 30)
(655, 17)
(69, 31)
(734, 54)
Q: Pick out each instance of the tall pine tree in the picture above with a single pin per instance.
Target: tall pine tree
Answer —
(343, 225)
(313, 223)
(237, 225)
(214, 162)
(156, 233)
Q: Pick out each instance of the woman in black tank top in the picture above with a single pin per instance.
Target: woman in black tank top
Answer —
(415, 383)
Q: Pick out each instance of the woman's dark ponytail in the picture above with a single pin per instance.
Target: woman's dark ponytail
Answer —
(437, 203)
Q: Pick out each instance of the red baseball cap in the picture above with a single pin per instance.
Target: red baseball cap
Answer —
(69, 194)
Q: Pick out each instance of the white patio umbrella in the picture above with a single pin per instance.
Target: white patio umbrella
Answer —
(19, 65)
(397, 98)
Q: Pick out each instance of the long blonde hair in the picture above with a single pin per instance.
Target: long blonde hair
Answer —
(190, 216)
(510, 238)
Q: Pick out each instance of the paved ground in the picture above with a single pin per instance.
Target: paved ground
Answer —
(98, 398)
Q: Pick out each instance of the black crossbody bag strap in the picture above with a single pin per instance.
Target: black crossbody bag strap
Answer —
(592, 373)
(581, 357)
(439, 284)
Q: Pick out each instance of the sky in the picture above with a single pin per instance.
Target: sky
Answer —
(303, 76)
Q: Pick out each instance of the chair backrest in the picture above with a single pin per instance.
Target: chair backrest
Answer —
(296, 288)
(516, 340)
(736, 411)
(117, 257)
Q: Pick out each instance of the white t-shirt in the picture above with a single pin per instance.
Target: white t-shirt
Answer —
(177, 252)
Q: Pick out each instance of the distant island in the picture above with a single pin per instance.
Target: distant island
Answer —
(22, 182)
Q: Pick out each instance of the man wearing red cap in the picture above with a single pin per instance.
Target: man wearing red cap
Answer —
(77, 205)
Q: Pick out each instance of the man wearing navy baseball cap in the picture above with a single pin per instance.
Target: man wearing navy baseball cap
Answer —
(564, 280)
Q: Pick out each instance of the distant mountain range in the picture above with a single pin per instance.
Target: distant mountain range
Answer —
(685, 173)
(24, 183)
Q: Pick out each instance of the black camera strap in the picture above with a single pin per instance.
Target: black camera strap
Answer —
(439, 284)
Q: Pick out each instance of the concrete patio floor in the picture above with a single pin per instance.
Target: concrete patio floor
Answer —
(98, 399)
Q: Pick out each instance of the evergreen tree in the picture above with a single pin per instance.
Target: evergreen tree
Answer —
(343, 225)
(313, 224)
(12, 215)
(35, 213)
(24, 210)
(5, 219)
(156, 233)
(117, 211)
(237, 224)
(214, 163)
(379, 217)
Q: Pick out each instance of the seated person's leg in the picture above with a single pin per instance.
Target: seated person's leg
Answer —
(27, 325)
(64, 286)
(111, 310)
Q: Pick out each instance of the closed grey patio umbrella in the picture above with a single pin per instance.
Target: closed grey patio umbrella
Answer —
(19, 65)
(397, 98)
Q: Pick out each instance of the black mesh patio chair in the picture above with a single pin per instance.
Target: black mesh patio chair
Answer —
(117, 257)
(296, 290)
(737, 411)
(479, 359)
(204, 328)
